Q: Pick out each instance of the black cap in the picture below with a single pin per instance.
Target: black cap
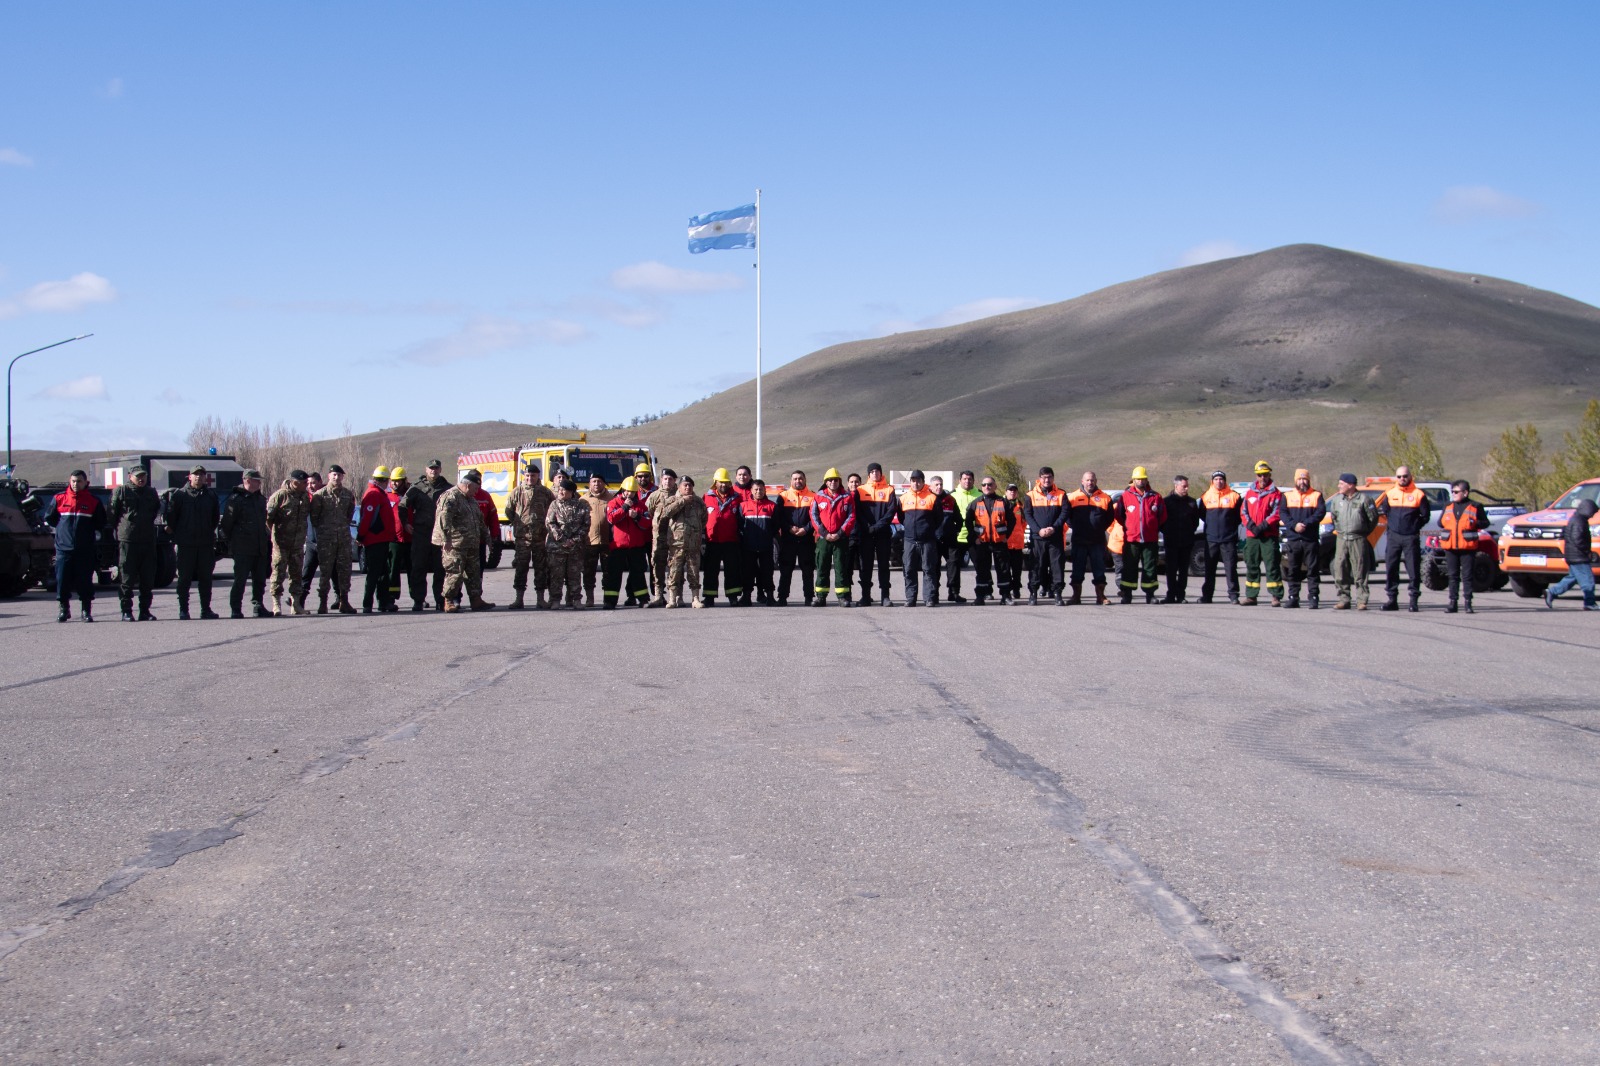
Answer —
(874, 466)
(297, 475)
(335, 468)
(1348, 478)
(917, 475)
(472, 476)
(667, 471)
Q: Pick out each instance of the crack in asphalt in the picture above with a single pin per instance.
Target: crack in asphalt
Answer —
(97, 667)
(167, 848)
(1306, 1038)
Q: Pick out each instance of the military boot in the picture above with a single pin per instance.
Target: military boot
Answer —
(1391, 604)
(262, 612)
(449, 607)
(322, 603)
(695, 599)
(539, 602)
(1469, 605)
(277, 606)
(516, 604)
(1311, 602)
(1033, 597)
(673, 600)
(1077, 595)
(297, 605)
(1293, 601)
(479, 603)
(588, 597)
(88, 613)
(1100, 597)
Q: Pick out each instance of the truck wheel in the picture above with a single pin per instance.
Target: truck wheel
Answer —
(1197, 561)
(496, 549)
(1529, 588)
(1434, 574)
(1484, 573)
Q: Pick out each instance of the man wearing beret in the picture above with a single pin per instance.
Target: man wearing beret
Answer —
(331, 512)
(134, 508)
(1354, 518)
(287, 511)
(192, 516)
(245, 531)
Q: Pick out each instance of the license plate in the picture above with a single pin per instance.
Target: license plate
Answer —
(1534, 560)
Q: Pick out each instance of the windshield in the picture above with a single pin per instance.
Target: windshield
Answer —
(1591, 491)
(612, 466)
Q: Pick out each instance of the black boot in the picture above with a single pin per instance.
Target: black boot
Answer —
(65, 612)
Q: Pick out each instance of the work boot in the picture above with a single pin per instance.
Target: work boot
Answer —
(145, 615)
(1413, 608)
(88, 613)
(659, 601)
(1311, 604)
(1248, 601)
(540, 603)
(1391, 605)
(674, 600)
(1469, 606)
(208, 615)
(1033, 597)
(236, 613)
(1077, 595)
(1100, 597)
(65, 613)
(847, 602)
(885, 601)
(696, 599)
(820, 600)
(588, 597)
(1450, 608)
(1149, 597)
(183, 612)
(1005, 601)
(517, 604)
(479, 603)
(956, 597)
(1294, 601)
(417, 606)
(449, 608)
(1277, 601)
(277, 606)
(1126, 595)
(261, 610)
(322, 603)
(1361, 606)
(1060, 599)
(127, 616)
(1342, 605)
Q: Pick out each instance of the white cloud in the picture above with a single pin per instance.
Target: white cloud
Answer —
(633, 316)
(661, 278)
(91, 387)
(484, 336)
(76, 293)
(172, 397)
(955, 316)
(10, 157)
(1210, 252)
(1471, 203)
(113, 89)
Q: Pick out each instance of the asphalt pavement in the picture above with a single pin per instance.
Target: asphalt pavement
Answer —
(1144, 834)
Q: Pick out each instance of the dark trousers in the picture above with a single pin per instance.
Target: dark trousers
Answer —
(1179, 552)
(793, 552)
(75, 575)
(592, 555)
(399, 564)
(629, 562)
(1138, 569)
(758, 564)
(136, 571)
(877, 550)
(990, 560)
(376, 557)
(1087, 557)
(921, 560)
(1226, 553)
(1402, 548)
(727, 560)
(1048, 564)
(1302, 562)
(954, 559)
(426, 560)
(252, 567)
(195, 563)
(1018, 560)
(1458, 566)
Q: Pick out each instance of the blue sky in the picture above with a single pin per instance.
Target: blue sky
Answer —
(389, 214)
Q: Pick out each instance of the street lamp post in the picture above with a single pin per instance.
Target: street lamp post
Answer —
(57, 344)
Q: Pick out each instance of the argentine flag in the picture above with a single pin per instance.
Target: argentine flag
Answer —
(734, 228)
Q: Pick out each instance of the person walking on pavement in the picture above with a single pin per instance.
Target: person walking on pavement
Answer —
(1178, 531)
(1089, 517)
(797, 542)
(1459, 527)
(630, 541)
(244, 531)
(962, 495)
(660, 537)
(192, 516)
(1222, 517)
(566, 524)
(1354, 518)
(758, 525)
(724, 551)
(1407, 510)
(459, 529)
(1262, 515)
(1303, 509)
(876, 507)
(332, 511)
(833, 516)
(1044, 509)
(1141, 512)
(79, 517)
(920, 521)
(988, 527)
(422, 502)
(525, 510)
(288, 511)
(132, 516)
(377, 536)
(685, 515)
(598, 497)
(1577, 551)
(309, 566)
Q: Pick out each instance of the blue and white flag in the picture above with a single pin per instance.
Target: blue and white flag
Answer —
(734, 228)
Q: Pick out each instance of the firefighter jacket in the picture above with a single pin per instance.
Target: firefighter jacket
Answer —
(1045, 509)
(79, 517)
(397, 507)
(1407, 510)
(1018, 538)
(491, 513)
(1459, 526)
(1305, 508)
(744, 492)
(1222, 515)
(1140, 514)
(630, 522)
(963, 499)
(1088, 516)
(919, 516)
(244, 524)
(758, 523)
(794, 512)
(192, 516)
(377, 524)
(1577, 540)
(133, 514)
(723, 516)
(876, 506)
(1262, 511)
(1183, 519)
(833, 513)
(988, 521)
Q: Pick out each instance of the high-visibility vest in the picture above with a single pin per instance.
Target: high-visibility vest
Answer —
(1461, 534)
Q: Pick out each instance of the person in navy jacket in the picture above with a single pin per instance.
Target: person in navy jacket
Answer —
(79, 517)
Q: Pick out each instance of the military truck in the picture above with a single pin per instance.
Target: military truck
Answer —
(168, 470)
(27, 546)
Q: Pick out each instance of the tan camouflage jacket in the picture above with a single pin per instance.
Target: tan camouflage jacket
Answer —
(566, 525)
(286, 515)
(525, 509)
(686, 517)
(331, 511)
(459, 522)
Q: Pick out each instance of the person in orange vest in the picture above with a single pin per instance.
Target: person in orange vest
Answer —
(1459, 526)
(1262, 514)
(988, 527)
(1222, 516)
(1407, 509)
(921, 518)
(1089, 516)
(1016, 543)
(724, 553)
(1140, 511)
(876, 507)
(1303, 510)
(1044, 508)
(797, 542)
(833, 516)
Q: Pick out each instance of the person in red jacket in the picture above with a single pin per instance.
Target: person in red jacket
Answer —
(630, 545)
(724, 552)
(79, 517)
(1262, 514)
(758, 520)
(376, 529)
(1141, 511)
(833, 516)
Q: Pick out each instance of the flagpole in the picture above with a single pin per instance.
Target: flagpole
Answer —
(758, 333)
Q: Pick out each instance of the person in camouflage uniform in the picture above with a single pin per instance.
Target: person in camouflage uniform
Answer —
(660, 536)
(685, 516)
(287, 510)
(566, 526)
(331, 511)
(525, 508)
(422, 500)
(458, 529)
(133, 517)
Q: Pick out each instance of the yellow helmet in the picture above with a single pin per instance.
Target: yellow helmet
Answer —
(629, 485)
(381, 473)
(398, 473)
(1262, 467)
(1140, 472)
(643, 468)
(721, 475)
(833, 472)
